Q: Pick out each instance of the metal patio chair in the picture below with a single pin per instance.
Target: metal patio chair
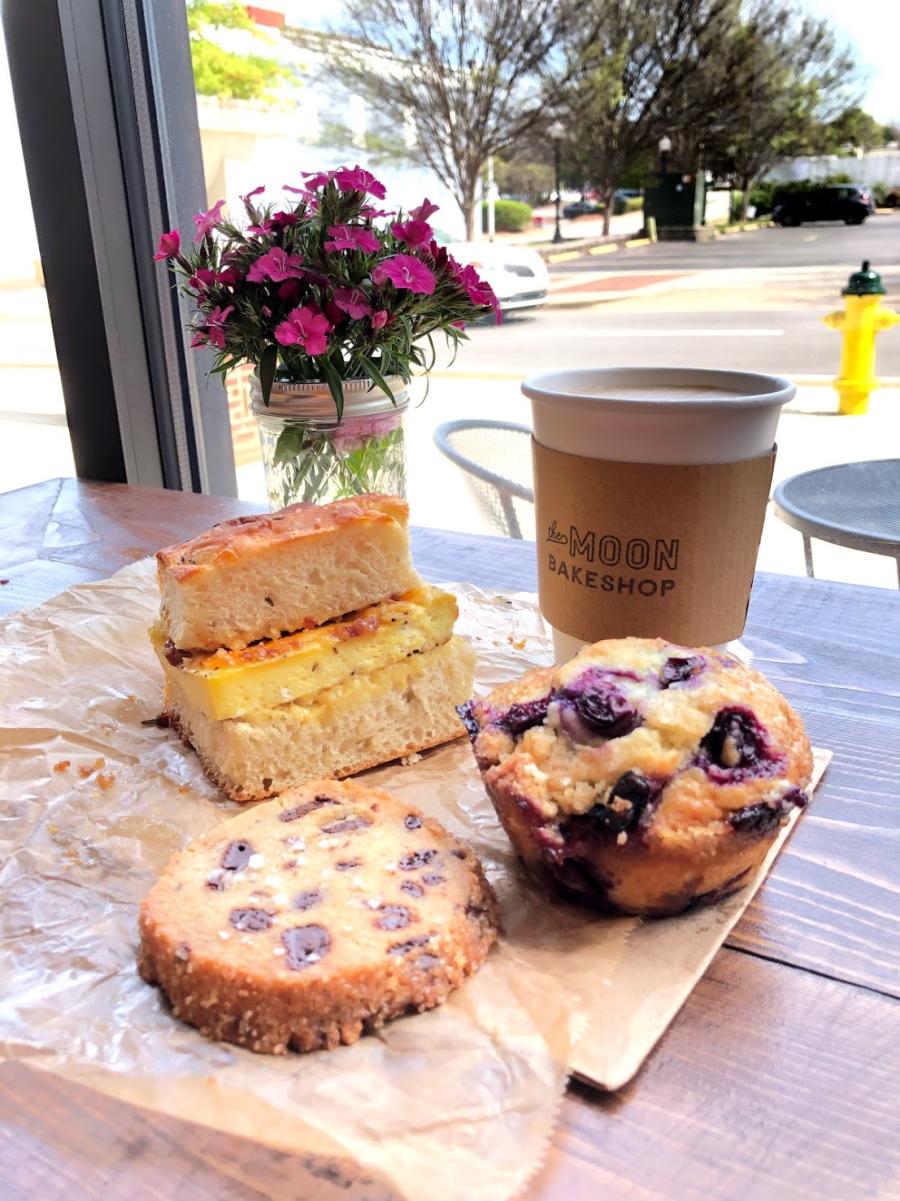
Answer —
(496, 459)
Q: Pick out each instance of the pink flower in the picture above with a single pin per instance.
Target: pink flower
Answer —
(215, 325)
(201, 279)
(229, 277)
(405, 271)
(356, 179)
(413, 233)
(277, 265)
(424, 211)
(169, 245)
(352, 301)
(206, 222)
(316, 180)
(256, 192)
(199, 338)
(372, 213)
(305, 327)
(380, 319)
(352, 237)
(282, 219)
(458, 324)
(262, 229)
(476, 289)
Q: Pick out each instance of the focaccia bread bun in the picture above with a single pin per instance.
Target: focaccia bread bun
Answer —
(369, 718)
(307, 921)
(258, 577)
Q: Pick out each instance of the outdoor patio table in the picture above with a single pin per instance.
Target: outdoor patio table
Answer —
(850, 504)
(779, 1079)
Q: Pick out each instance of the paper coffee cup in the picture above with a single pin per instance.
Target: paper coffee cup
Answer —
(650, 494)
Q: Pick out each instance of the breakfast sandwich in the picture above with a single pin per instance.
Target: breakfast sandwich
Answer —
(332, 655)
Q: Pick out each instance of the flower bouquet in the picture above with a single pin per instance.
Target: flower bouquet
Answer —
(335, 302)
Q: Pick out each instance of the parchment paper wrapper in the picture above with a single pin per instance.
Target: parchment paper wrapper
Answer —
(649, 549)
(449, 1104)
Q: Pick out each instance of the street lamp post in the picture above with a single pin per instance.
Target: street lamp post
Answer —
(665, 149)
(557, 131)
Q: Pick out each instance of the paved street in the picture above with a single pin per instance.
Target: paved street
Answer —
(752, 301)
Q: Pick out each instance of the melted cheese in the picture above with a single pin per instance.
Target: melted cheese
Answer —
(229, 684)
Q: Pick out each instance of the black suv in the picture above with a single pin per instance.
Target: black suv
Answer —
(838, 202)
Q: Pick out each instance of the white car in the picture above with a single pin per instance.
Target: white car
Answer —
(518, 276)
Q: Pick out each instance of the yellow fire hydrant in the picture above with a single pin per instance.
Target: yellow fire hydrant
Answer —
(863, 317)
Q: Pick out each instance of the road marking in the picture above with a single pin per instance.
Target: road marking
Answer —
(668, 333)
(632, 242)
(604, 248)
(564, 256)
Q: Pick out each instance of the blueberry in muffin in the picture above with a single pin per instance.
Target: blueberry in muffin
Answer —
(641, 777)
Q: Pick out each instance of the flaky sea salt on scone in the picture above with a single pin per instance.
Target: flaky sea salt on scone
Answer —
(313, 918)
(641, 776)
(259, 577)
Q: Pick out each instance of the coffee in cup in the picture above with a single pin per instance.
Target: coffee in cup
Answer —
(650, 495)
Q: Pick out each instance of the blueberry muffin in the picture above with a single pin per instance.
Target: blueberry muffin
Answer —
(315, 917)
(641, 777)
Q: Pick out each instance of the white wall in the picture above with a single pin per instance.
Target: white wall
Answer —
(877, 166)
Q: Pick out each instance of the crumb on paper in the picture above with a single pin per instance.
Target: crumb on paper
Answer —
(409, 760)
(517, 643)
(6, 581)
(63, 765)
(106, 779)
(84, 771)
(183, 788)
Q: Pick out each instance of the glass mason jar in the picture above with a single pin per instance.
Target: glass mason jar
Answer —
(308, 456)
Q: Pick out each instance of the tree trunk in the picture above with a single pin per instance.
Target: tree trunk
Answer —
(468, 206)
(746, 185)
(609, 200)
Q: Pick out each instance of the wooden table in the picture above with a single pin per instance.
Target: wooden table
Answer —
(779, 1079)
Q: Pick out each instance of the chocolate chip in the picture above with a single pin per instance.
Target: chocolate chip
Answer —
(268, 600)
(236, 855)
(412, 888)
(345, 865)
(291, 815)
(305, 945)
(250, 919)
(306, 900)
(345, 825)
(412, 822)
(416, 859)
(267, 783)
(393, 917)
(432, 878)
(403, 948)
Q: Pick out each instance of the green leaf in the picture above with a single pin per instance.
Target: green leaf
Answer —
(267, 365)
(376, 377)
(335, 386)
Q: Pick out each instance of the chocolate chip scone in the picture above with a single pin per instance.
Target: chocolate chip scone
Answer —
(315, 917)
(642, 777)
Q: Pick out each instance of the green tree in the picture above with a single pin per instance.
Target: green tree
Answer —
(774, 83)
(855, 127)
(643, 65)
(220, 72)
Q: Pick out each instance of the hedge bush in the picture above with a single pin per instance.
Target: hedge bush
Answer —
(510, 216)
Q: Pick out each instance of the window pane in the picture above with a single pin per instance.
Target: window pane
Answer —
(34, 438)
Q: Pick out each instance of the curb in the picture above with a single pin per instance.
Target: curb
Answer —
(599, 245)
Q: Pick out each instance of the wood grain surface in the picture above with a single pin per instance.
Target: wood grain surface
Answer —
(781, 1076)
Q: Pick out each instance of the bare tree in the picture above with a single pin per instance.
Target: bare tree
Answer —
(473, 75)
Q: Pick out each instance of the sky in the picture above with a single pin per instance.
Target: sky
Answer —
(871, 26)
(873, 29)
